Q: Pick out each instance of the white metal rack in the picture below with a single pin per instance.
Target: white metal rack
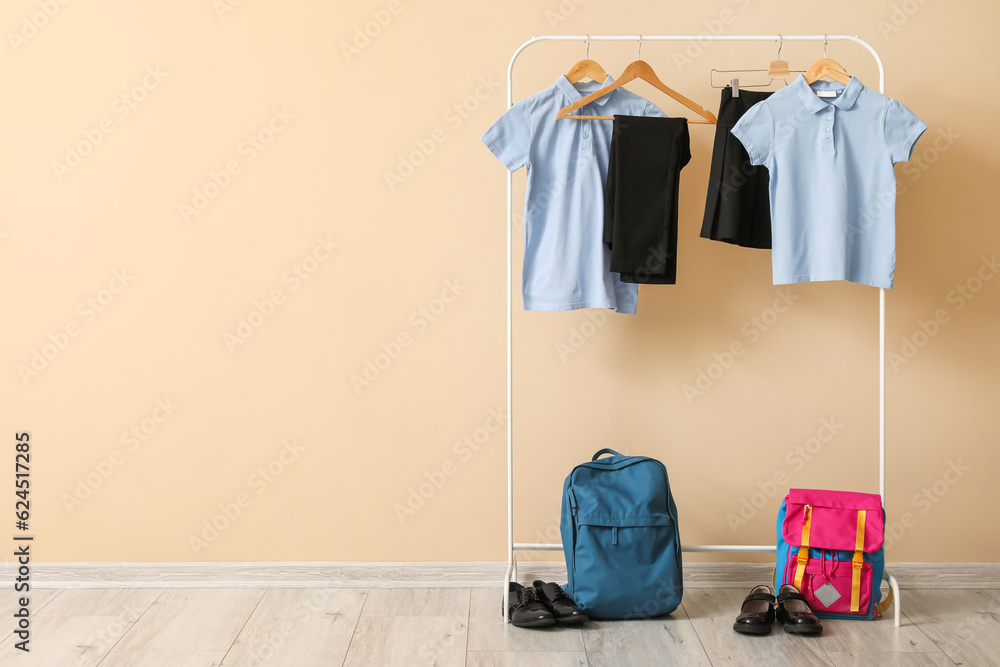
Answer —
(513, 547)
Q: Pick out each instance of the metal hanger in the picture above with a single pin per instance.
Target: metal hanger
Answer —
(777, 69)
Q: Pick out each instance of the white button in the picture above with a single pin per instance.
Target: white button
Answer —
(827, 129)
(585, 136)
(828, 140)
(829, 108)
(829, 117)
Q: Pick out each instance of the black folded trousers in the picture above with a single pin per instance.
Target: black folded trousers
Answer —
(640, 199)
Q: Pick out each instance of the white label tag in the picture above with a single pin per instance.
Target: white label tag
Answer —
(826, 93)
(827, 594)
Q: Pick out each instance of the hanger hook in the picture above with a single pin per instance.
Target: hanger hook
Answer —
(780, 42)
(639, 55)
(824, 46)
(588, 47)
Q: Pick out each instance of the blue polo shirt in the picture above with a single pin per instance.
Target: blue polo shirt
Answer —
(566, 263)
(829, 150)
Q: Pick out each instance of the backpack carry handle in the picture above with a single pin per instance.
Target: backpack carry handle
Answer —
(606, 450)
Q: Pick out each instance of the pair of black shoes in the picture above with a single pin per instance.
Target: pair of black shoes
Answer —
(542, 604)
(791, 609)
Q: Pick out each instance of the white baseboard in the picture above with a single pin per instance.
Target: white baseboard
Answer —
(420, 575)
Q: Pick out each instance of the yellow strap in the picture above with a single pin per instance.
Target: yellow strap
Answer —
(859, 559)
(803, 558)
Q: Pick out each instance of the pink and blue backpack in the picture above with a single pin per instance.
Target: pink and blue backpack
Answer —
(830, 548)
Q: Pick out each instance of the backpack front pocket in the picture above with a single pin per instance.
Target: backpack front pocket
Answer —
(627, 567)
(828, 584)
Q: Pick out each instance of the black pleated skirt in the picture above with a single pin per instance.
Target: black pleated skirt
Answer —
(738, 207)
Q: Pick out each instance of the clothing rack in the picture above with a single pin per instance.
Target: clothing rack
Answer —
(514, 547)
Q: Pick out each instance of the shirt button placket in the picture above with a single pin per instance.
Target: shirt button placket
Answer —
(829, 128)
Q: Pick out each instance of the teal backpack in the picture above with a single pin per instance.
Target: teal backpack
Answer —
(620, 538)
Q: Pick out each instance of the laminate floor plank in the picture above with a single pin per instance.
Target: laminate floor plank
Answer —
(450, 627)
(667, 640)
(909, 659)
(298, 627)
(964, 624)
(489, 632)
(65, 631)
(398, 641)
(387, 602)
(192, 620)
(526, 659)
(163, 659)
(714, 610)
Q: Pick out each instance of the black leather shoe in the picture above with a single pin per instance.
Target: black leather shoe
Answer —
(563, 607)
(794, 613)
(527, 609)
(757, 613)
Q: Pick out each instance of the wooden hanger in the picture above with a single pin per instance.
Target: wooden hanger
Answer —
(638, 69)
(778, 69)
(827, 67)
(586, 68)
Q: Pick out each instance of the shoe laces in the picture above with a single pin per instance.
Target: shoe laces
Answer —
(558, 592)
(529, 594)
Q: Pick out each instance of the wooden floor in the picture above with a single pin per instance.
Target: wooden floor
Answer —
(194, 627)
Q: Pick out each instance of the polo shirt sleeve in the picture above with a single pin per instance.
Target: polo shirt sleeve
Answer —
(755, 130)
(509, 138)
(901, 128)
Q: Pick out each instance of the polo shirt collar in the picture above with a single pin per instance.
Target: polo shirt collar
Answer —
(812, 103)
(572, 94)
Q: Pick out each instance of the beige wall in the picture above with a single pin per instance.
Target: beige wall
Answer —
(129, 305)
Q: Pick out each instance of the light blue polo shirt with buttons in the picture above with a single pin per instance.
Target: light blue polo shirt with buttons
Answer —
(566, 262)
(829, 150)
